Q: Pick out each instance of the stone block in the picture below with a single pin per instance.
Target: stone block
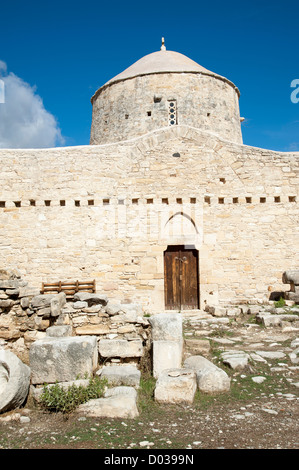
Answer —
(125, 374)
(119, 403)
(253, 309)
(166, 327)
(126, 329)
(6, 303)
(59, 331)
(270, 320)
(237, 360)
(41, 301)
(10, 284)
(210, 378)
(94, 310)
(294, 296)
(78, 305)
(271, 354)
(12, 292)
(175, 386)
(57, 303)
(41, 323)
(131, 309)
(28, 291)
(93, 330)
(24, 302)
(166, 355)
(8, 328)
(62, 359)
(120, 348)
(217, 311)
(91, 298)
(44, 312)
(233, 312)
(112, 308)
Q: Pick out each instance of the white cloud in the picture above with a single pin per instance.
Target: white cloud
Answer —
(24, 121)
(3, 66)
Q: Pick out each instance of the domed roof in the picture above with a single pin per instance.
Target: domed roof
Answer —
(163, 61)
(158, 62)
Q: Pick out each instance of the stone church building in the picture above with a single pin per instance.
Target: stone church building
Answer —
(166, 207)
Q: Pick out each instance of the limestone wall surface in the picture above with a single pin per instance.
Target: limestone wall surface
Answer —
(140, 105)
(109, 212)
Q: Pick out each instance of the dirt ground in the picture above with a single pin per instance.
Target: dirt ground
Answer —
(250, 416)
(222, 426)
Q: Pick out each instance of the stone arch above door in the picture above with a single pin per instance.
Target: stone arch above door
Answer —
(180, 229)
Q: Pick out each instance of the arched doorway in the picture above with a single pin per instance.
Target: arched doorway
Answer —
(181, 278)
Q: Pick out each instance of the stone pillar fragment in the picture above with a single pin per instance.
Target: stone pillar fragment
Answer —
(167, 334)
(14, 381)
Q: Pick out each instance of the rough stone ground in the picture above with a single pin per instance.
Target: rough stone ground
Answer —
(251, 416)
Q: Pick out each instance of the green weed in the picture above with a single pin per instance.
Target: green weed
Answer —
(146, 393)
(280, 303)
(59, 399)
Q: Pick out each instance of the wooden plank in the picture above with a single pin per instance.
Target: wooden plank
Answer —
(171, 278)
(69, 283)
(70, 287)
(190, 285)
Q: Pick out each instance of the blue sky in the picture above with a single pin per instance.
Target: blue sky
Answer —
(65, 50)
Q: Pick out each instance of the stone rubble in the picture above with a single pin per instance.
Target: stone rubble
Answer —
(237, 360)
(56, 332)
(27, 316)
(210, 378)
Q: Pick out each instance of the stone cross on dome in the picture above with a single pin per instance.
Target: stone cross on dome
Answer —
(163, 48)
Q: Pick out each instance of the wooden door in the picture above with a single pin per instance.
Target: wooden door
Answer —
(181, 284)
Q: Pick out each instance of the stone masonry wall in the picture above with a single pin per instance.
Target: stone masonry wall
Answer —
(139, 105)
(108, 213)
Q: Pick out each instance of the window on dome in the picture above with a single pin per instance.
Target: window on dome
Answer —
(172, 113)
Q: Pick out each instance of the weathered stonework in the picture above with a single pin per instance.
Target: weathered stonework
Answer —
(244, 244)
(108, 212)
(129, 108)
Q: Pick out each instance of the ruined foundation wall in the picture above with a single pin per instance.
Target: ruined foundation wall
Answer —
(122, 332)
